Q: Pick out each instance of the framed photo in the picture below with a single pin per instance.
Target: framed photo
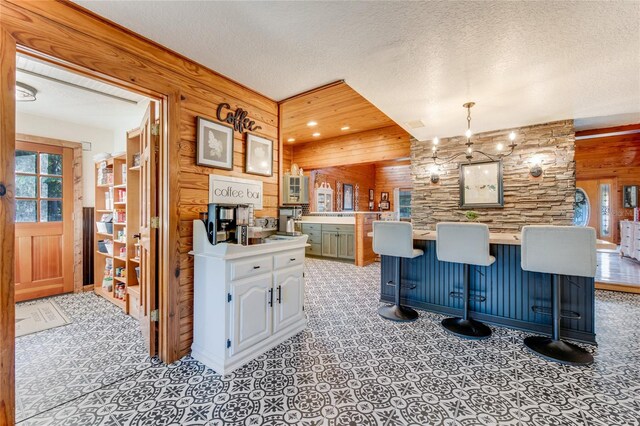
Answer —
(214, 145)
(371, 206)
(347, 197)
(384, 196)
(481, 185)
(385, 205)
(258, 156)
(371, 195)
(630, 196)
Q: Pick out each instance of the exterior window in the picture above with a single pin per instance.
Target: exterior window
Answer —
(605, 210)
(404, 203)
(38, 187)
(581, 208)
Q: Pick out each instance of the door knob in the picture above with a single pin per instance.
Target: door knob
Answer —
(3, 190)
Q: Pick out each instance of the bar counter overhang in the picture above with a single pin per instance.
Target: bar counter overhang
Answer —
(501, 294)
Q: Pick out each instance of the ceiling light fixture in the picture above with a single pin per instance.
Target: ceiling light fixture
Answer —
(291, 140)
(316, 134)
(312, 123)
(25, 93)
(343, 128)
(469, 151)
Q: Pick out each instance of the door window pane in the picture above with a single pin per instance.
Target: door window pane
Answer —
(605, 210)
(50, 164)
(50, 187)
(26, 186)
(50, 210)
(581, 208)
(25, 161)
(404, 200)
(26, 211)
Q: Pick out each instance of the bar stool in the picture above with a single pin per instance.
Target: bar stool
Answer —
(395, 239)
(466, 243)
(560, 251)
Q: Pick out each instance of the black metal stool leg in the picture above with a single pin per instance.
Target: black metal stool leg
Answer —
(554, 349)
(397, 312)
(466, 327)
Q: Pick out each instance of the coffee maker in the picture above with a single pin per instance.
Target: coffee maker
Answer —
(222, 220)
(288, 215)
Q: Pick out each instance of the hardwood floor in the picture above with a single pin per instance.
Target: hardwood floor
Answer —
(617, 273)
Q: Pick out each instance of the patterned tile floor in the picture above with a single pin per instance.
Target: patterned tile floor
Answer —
(350, 367)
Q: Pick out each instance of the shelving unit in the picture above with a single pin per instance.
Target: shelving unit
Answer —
(124, 189)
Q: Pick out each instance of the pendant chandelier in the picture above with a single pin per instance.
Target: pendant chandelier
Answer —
(469, 152)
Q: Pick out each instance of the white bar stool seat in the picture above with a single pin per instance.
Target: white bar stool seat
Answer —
(466, 243)
(560, 251)
(392, 238)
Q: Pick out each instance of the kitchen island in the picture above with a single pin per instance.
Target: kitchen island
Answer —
(500, 294)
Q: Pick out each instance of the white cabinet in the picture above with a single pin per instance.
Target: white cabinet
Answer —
(246, 305)
(288, 305)
(324, 198)
(630, 239)
(295, 189)
(250, 312)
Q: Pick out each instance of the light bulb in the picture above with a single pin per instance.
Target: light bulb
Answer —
(500, 146)
(469, 150)
(468, 133)
(512, 136)
(436, 141)
(434, 148)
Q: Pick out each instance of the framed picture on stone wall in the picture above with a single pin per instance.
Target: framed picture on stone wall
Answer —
(481, 185)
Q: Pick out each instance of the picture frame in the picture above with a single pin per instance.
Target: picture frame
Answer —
(630, 196)
(370, 194)
(371, 206)
(384, 196)
(258, 156)
(214, 144)
(385, 205)
(481, 185)
(347, 197)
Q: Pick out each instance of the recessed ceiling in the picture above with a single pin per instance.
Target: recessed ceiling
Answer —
(331, 111)
(521, 62)
(96, 107)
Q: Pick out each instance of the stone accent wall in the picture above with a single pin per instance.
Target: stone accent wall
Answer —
(527, 200)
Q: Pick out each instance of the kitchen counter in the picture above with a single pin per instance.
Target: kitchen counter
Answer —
(349, 220)
(501, 294)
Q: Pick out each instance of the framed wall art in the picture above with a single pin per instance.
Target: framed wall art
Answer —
(214, 145)
(258, 156)
(347, 204)
(481, 185)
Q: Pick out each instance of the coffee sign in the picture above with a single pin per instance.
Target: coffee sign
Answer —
(238, 119)
(230, 190)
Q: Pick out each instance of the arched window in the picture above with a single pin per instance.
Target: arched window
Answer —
(581, 209)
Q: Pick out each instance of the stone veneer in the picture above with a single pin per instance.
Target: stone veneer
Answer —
(527, 200)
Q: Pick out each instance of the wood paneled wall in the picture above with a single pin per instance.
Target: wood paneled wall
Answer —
(387, 143)
(363, 176)
(390, 177)
(616, 157)
(287, 157)
(84, 40)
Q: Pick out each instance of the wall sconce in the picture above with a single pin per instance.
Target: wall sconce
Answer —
(434, 173)
(536, 166)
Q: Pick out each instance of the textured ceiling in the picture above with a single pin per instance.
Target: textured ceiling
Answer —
(71, 104)
(521, 62)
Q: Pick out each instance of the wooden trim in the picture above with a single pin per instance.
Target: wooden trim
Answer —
(77, 198)
(625, 288)
(7, 227)
(169, 232)
(608, 131)
(316, 89)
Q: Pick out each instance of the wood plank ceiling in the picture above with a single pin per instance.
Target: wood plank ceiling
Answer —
(337, 109)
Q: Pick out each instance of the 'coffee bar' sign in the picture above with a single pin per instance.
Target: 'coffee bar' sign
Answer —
(230, 190)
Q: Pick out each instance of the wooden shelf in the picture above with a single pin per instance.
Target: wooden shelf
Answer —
(120, 186)
(104, 254)
(105, 234)
(121, 279)
(119, 223)
(119, 242)
(134, 168)
(104, 211)
(134, 289)
(108, 185)
(120, 203)
(134, 260)
(122, 259)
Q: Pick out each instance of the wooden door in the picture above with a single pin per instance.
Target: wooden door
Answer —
(44, 220)
(148, 229)
(288, 302)
(251, 314)
(601, 195)
(329, 244)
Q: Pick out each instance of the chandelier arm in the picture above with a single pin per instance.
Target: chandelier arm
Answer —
(447, 159)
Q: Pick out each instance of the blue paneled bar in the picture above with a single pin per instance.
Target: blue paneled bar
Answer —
(501, 294)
